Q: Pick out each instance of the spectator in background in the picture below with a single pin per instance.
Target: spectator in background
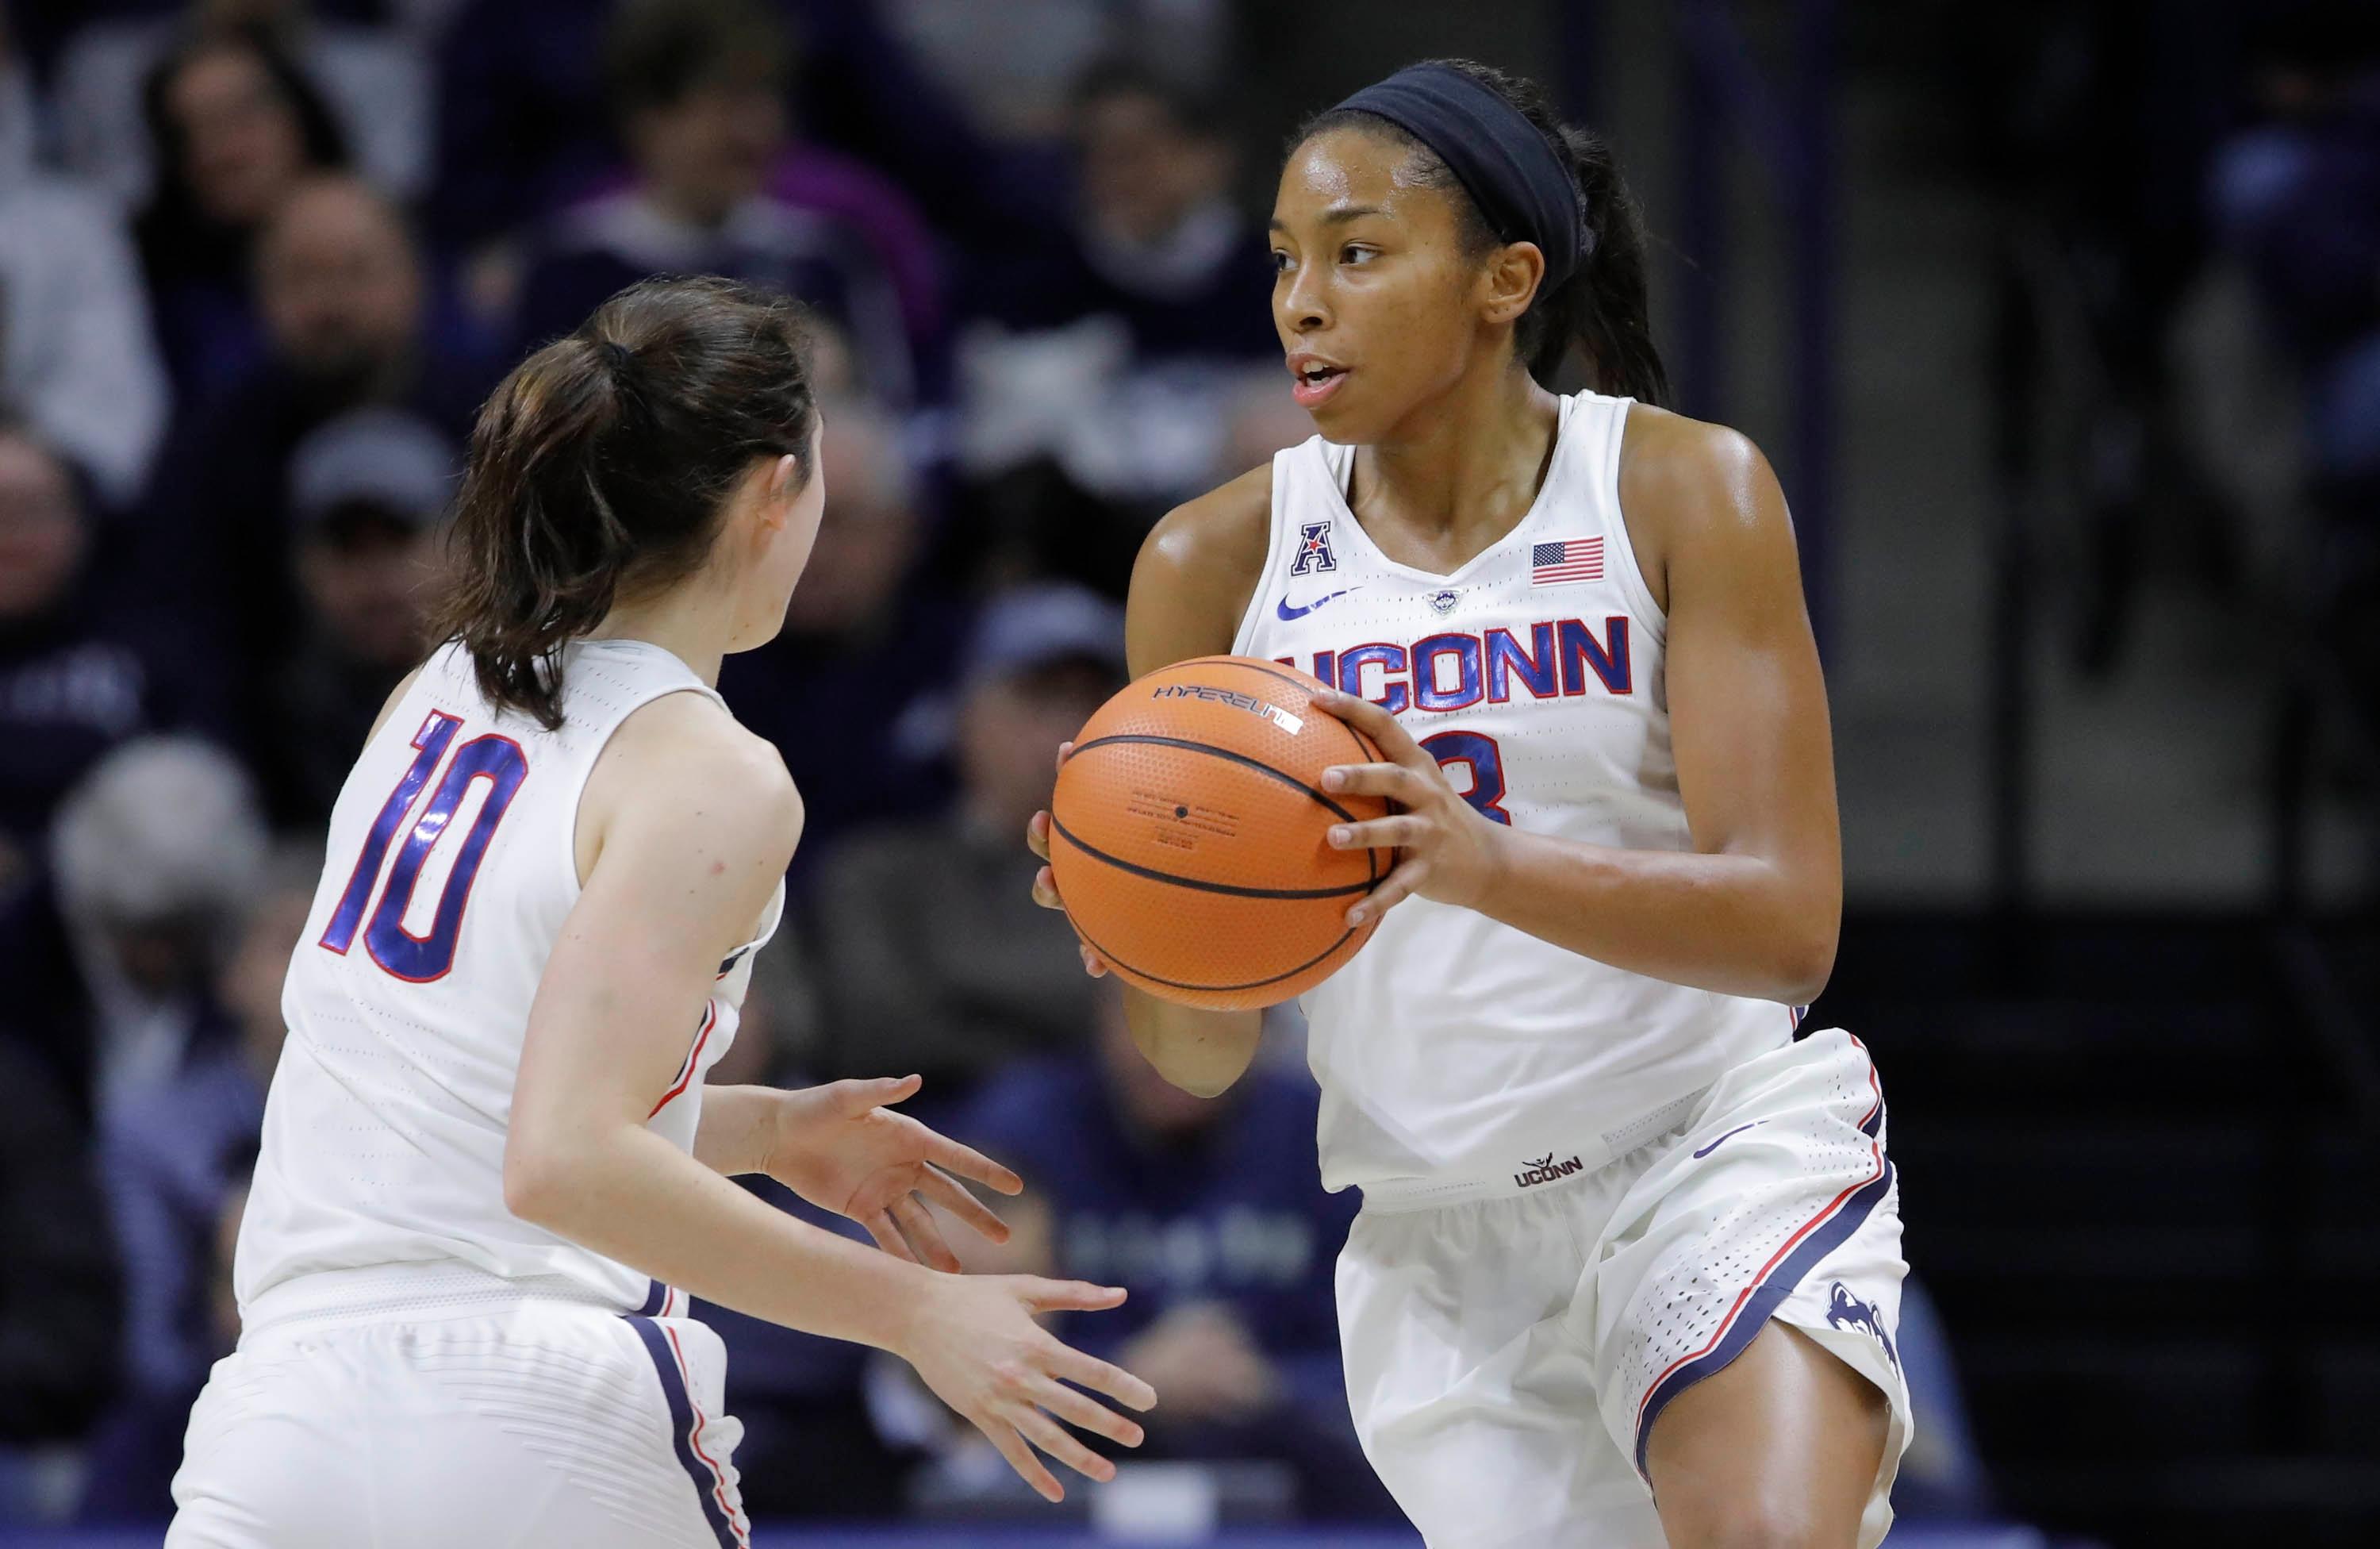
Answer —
(173, 1156)
(235, 127)
(849, 690)
(78, 675)
(342, 290)
(699, 90)
(2297, 196)
(60, 1302)
(155, 858)
(522, 133)
(372, 81)
(1014, 64)
(365, 493)
(1125, 343)
(133, 1454)
(1210, 1212)
(76, 351)
(931, 960)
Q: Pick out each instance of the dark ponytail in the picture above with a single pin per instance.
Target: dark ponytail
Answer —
(599, 469)
(1603, 309)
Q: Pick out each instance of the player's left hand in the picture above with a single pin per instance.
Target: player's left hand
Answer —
(1446, 851)
(842, 1148)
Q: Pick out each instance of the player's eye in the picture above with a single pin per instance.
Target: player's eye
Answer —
(1279, 261)
(1356, 252)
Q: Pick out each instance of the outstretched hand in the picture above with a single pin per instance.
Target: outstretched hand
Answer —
(842, 1148)
(1447, 850)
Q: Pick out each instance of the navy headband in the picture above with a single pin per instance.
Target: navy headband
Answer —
(1504, 162)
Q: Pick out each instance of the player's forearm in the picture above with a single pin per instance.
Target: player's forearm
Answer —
(1201, 1052)
(738, 1127)
(1737, 925)
(630, 1195)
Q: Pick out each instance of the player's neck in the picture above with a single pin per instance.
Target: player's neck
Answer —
(683, 621)
(1474, 459)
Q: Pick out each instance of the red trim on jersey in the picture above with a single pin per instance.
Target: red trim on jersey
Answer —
(1875, 1151)
(718, 1477)
(685, 1071)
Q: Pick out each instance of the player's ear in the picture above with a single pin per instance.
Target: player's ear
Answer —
(1509, 281)
(777, 494)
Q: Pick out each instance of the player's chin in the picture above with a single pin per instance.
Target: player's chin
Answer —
(1348, 417)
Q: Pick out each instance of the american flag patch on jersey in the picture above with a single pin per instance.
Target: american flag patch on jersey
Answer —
(1574, 559)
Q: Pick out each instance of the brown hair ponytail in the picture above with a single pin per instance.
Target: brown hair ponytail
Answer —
(601, 467)
(1603, 309)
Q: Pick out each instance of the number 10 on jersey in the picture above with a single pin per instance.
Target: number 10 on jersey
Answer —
(420, 958)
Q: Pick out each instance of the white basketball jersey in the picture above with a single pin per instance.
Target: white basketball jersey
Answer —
(451, 868)
(1452, 1047)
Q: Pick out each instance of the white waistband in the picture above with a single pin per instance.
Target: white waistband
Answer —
(1534, 1175)
(378, 1293)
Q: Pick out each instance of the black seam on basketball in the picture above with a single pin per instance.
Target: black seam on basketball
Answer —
(1212, 989)
(1236, 890)
(1370, 754)
(1283, 776)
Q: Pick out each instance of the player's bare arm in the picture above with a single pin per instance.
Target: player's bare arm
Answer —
(1755, 909)
(1191, 583)
(670, 886)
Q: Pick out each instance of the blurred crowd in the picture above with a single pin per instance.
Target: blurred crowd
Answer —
(2194, 194)
(261, 261)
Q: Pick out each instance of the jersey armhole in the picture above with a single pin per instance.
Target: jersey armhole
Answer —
(1244, 638)
(1630, 575)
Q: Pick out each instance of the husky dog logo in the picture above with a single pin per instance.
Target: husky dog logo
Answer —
(1444, 601)
(1846, 1311)
(1313, 550)
(1545, 1169)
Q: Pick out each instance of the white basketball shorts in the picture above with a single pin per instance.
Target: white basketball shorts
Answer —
(1507, 1352)
(541, 1424)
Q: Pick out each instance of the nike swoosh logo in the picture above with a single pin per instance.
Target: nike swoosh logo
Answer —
(1728, 1136)
(1288, 613)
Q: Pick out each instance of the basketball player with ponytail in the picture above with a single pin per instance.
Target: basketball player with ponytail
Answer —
(1628, 1267)
(492, 1177)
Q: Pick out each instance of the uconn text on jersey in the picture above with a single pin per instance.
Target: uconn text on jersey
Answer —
(1456, 669)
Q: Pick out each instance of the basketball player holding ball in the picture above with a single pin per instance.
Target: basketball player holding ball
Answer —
(1628, 1267)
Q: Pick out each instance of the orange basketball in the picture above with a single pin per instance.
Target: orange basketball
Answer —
(1188, 834)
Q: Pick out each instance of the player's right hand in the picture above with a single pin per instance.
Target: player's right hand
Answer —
(975, 1343)
(1045, 882)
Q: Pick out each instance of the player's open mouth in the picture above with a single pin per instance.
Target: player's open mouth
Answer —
(1315, 382)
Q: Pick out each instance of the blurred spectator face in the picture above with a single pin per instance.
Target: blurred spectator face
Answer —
(362, 572)
(710, 150)
(160, 955)
(867, 534)
(338, 280)
(1143, 169)
(42, 535)
(154, 853)
(252, 981)
(242, 145)
(1150, 1102)
(1009, 730)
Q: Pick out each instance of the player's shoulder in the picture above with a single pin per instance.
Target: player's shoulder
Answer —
(686, 744)
(1700, 497)
(1228, 527)
(1198, 570)
(1683, 470)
